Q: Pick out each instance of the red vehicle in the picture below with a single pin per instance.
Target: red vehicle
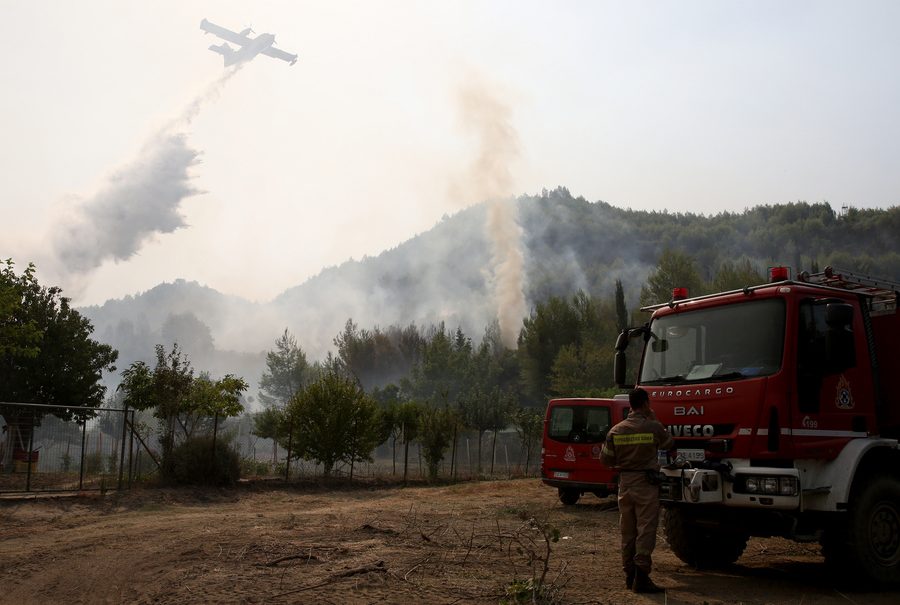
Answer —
(574, 430)
(784, 401)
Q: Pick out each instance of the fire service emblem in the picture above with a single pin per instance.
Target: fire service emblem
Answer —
(843, 398)
(570, 454)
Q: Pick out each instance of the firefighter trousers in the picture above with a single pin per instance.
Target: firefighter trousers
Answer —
(638, 520)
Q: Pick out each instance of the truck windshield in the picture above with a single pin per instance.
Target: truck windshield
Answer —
(578, 423)
(716, 344)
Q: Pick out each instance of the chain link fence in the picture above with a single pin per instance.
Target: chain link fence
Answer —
(45, 448)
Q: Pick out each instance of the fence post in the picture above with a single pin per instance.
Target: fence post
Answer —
(215, 432)
(81, 464)
(130, 447)
(122, 453)
(287, 462)
(30, 454)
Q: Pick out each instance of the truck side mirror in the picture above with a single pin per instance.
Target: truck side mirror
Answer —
(620, 369)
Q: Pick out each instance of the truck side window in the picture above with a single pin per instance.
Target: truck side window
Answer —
(579, 424)
(812, 361)
(810, 355)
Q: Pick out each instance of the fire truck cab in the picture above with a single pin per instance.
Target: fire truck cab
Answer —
(784, 402)
(574, 431)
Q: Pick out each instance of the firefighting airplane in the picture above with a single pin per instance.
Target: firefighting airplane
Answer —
(250, 47)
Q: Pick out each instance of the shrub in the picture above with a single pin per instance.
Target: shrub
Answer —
(194, 463)
(93, 463)
(256, 468)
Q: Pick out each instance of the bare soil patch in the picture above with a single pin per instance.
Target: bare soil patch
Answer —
(263, 543)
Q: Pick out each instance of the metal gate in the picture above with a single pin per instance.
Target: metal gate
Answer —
(48, 448)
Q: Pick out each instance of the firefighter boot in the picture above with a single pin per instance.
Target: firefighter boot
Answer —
(643, 583)
(629, 577)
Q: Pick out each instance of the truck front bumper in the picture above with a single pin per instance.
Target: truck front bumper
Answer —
(707, 486)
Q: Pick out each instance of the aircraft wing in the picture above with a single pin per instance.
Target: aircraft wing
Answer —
(279, 54)
(225, 34)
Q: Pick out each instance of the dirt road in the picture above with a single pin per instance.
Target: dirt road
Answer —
(463, 543)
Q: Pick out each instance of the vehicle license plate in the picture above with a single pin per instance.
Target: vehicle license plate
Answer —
(693, 455)
(561, 474)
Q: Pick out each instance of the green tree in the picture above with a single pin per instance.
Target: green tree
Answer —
(409, 415)
(166, 390)
(435, 434)
(675, 269)
(287, 370)
(621, 309)
(733, 276)
(389, 399)
(271, 423)
(583, 371)
(47, 355)
(19, 335)
(529, 424)
(333, 420)
(285, 374)
(442, 372)
(573, 356)
(478, 413)
(551, 326)
(377, 357)
(213, 399)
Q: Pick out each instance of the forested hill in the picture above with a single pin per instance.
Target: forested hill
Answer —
(445, 274)
(600, 239)
(572, 244)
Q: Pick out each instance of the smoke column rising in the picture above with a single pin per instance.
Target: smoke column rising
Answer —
(485, 115)
(139, 200)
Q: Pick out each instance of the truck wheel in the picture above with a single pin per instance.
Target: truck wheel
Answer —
(869, 543)
(701, 546)
(569, 496)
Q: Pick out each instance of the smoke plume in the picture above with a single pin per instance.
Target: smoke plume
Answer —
(485, 115)
(137, 201)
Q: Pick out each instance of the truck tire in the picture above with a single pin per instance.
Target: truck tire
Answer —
(569, 496)
(701, 546)
(868, 545)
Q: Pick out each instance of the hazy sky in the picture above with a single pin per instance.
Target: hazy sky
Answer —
(282, 170)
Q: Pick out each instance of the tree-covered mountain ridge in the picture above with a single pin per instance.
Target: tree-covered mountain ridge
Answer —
(446, 275)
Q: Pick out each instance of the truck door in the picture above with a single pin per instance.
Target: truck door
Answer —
(833, 380)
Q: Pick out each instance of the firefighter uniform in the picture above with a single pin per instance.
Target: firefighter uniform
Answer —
(631, 448)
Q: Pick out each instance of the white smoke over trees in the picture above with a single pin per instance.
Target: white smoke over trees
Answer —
(485, 115)
(139, 200)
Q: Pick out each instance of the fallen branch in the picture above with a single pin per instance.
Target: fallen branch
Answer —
(416, 566)
(377, 530)
(308, 557)
(377, 566)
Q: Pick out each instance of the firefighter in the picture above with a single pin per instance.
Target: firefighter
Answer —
(631, 447)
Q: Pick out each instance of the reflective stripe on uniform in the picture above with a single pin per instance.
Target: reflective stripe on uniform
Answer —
(634, 439)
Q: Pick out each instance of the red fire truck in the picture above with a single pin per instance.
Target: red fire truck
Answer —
(574, 430)
(784, 402)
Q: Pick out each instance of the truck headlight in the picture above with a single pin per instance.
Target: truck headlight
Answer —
(787, 486)
(769, 485)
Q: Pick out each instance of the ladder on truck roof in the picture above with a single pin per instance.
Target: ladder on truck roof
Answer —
(882, 293)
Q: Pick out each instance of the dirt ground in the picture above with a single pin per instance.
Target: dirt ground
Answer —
(462, 543)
